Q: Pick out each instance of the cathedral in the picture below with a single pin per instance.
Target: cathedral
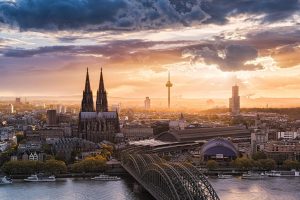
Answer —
(100, 124)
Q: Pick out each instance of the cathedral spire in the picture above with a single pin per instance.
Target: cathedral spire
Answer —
(87, 81)
(101, 83)
(101, 103)
(87, 104)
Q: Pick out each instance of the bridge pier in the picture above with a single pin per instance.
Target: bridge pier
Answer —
(137, 188)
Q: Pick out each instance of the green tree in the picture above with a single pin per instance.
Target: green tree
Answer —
(90, 164)
(259, 155)
(267, 164)
(29, 167)
(291, 164)
(19, 167)
(55, 167)
(212, 164)
(5, 156)
(47, 148)
(243, 163)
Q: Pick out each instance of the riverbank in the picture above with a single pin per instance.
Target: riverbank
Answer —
(74, 175)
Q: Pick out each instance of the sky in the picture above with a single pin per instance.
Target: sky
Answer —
(206, 45)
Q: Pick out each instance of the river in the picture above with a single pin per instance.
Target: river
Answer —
(84, 189)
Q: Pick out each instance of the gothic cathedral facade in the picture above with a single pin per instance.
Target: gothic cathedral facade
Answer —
(100, 124)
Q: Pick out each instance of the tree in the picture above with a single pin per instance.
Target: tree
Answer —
(47, 148)
(107, 151)
(212, 164)
(291, 164)
(259, 155)
(29, 167)
(5, 156)
(243, 163)
(19, 167)
(55, 167)
(267, 164)
(90, 164)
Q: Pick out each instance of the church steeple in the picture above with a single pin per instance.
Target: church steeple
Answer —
(87, 104)
(101, 103)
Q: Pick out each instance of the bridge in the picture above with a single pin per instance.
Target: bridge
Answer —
(167, 180)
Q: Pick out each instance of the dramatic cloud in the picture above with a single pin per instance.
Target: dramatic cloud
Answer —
(230, 58)
(272, 10)
(208, 45)
(287, 56)
(100, 15)
(135, 14)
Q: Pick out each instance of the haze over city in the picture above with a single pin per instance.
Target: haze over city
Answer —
(149, 99)
(207, 46)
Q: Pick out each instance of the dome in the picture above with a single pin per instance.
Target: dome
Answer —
(219, 146)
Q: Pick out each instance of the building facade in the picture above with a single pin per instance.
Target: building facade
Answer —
(234, 101)
(147, 103)
(100, 124)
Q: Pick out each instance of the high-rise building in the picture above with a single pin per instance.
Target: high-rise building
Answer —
(51, 118)
(147, 103)
(18, 100)
(64, 109)
(101, 124)
(234, 101)
(169, 85)
(58, 108)
(11, 108)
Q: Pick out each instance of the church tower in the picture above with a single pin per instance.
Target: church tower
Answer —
(87, 104)
(101, 103)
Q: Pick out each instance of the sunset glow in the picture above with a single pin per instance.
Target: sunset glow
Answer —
(255, 44)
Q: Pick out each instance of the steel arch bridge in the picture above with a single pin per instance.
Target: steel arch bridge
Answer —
(167, 180)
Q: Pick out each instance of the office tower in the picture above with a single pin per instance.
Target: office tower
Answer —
(18, 100)
(64, 109)
(58, 108)
(11, 108)
(51, 118)
(147, 102)
(169, 85)
(234, 101)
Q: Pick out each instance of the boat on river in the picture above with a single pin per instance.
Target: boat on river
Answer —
(104, 177)
(224, 176)
(253, 176)
(40, 178)
(5, 180)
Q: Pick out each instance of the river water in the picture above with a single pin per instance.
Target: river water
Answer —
(84, 189)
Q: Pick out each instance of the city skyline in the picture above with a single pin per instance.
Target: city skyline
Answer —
(206, 48)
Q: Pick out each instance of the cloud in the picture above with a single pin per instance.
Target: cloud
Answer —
(230, 58)
(274, 37)
(227, 55)
(95, 15)
(287, 56)
(99, 15)
(282, 44)
(272, 10)
(123, 54)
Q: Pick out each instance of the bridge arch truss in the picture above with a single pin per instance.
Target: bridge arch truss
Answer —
(168, 180)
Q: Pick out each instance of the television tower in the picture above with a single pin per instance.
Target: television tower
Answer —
(169, 85)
